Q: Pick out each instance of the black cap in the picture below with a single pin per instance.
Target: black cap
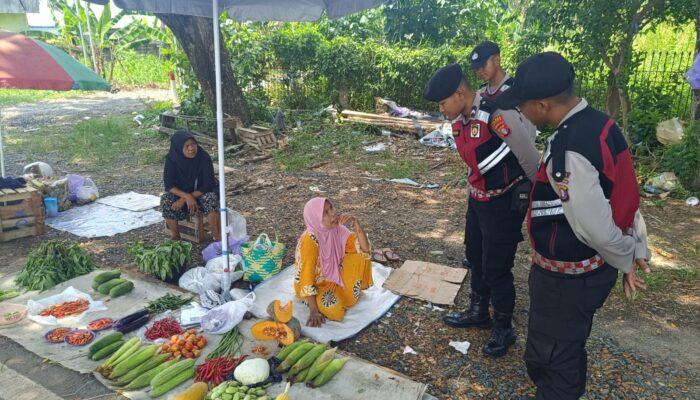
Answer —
(444, 83)
(482, 52)
(538, 77)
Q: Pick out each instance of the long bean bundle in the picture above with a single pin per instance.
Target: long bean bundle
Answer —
(229, 346)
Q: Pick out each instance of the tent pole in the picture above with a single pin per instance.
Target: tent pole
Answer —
(92, 45)
(76, 4)
(226, 282)
(2, 155)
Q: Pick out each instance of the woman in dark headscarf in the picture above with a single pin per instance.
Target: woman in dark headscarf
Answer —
(189, 184)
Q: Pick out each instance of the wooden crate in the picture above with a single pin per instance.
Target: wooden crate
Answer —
(259, 137)
(21, 213)
(192, 229)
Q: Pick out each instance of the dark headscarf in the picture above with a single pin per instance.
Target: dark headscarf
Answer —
(188, 174)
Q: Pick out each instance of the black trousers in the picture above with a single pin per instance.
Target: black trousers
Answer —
(561, 315)
(492, 234)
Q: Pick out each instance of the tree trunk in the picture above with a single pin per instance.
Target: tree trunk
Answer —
(196, 37)
(612, 97)
(695, 105)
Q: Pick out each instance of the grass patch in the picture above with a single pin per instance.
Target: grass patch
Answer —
(660, 280)
(317, 143)
(11, 97)
(98, 141)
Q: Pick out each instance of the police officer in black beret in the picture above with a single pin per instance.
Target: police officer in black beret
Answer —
(584, 223)
(486, 62)
(498, 146)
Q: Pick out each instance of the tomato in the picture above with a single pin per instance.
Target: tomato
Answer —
(192, 331)
(202, 343)
(196, 352)
(176, 354)
(174, 348)
(173, 339)
(165, 347)
(189, 346)
(181, 343)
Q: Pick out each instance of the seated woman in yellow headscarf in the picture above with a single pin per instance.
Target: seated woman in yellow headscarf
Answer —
(332, 264)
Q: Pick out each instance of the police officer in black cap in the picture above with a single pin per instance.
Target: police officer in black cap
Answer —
(498, 146)
(486, 62)
(584, 223)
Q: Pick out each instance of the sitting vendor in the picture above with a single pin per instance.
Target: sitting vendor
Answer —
(189, 184)
(332, 264)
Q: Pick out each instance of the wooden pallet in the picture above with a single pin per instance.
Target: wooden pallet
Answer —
(192, 229)
(259, 137)
(21, 213)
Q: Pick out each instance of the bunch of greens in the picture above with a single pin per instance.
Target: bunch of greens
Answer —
(161, 260)
(52, 263)
(167, 302)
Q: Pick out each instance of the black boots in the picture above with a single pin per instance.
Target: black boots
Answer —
(502, 336)
(476, 316)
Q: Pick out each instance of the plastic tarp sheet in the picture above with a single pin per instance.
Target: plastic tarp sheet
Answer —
(99, 220)
(374, 302)
(358, 379)
(131, 201)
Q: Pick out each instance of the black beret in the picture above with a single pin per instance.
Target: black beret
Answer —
(539, 76)
(444, 83)
(482, 52)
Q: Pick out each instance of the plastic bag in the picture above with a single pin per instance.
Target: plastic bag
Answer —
(198, 280)
(81, 190)
(235, 266)
(441, 137)
(225, 317)
(236, 225)
(70, 294)
(669, 131)
(39, 169)
(214, 249)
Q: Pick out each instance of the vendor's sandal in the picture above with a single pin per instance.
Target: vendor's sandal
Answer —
(390, 255)
(378, 256)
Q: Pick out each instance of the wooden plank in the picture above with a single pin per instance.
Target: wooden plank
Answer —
(21, 190)
(12, 197)
(12, 223)
(17, 233)
(23, 209)
(38, 206)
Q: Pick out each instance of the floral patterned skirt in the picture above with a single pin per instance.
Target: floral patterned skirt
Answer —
(207, 203)
(332, 300)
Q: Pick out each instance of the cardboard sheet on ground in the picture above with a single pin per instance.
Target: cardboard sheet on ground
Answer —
(374, 302)
(422, 280)
(131, 201)
(98, 220)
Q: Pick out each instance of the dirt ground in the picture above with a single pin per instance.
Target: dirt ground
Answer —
(641, 349)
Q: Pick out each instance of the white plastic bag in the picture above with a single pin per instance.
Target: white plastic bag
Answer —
(669, 131)
(39, 169)
(235, 264)
(70, 294)
(198, 280)
(441, 137)
(235, 224)
(225, 317)
(87, 193)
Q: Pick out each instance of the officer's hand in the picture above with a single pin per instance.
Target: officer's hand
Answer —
(631, 282)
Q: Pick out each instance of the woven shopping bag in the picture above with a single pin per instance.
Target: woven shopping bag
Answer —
(263, 258)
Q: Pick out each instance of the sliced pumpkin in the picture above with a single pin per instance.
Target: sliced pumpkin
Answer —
(271, 330)
(279, 312)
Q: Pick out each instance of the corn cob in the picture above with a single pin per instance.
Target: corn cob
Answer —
(320, 363)
(329, 372)
(308, 359)
(294, 356)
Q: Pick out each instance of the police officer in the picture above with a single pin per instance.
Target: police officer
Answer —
(498, 146)
(486, 62)
(584, 223)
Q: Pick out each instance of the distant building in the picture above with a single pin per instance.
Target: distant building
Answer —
(13, 14)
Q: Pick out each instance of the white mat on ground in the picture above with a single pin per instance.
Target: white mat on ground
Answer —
(374, 302)
(98, 220)
(131, 201)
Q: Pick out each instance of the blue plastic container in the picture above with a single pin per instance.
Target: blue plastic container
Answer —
(51, 205)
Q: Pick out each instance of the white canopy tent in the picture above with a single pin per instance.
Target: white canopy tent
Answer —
(241, 10)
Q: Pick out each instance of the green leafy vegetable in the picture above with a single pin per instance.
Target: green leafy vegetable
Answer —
(168, 302)
(161, 260)
(52, 263)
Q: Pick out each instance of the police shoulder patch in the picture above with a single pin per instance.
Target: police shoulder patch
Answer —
(498, 124)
